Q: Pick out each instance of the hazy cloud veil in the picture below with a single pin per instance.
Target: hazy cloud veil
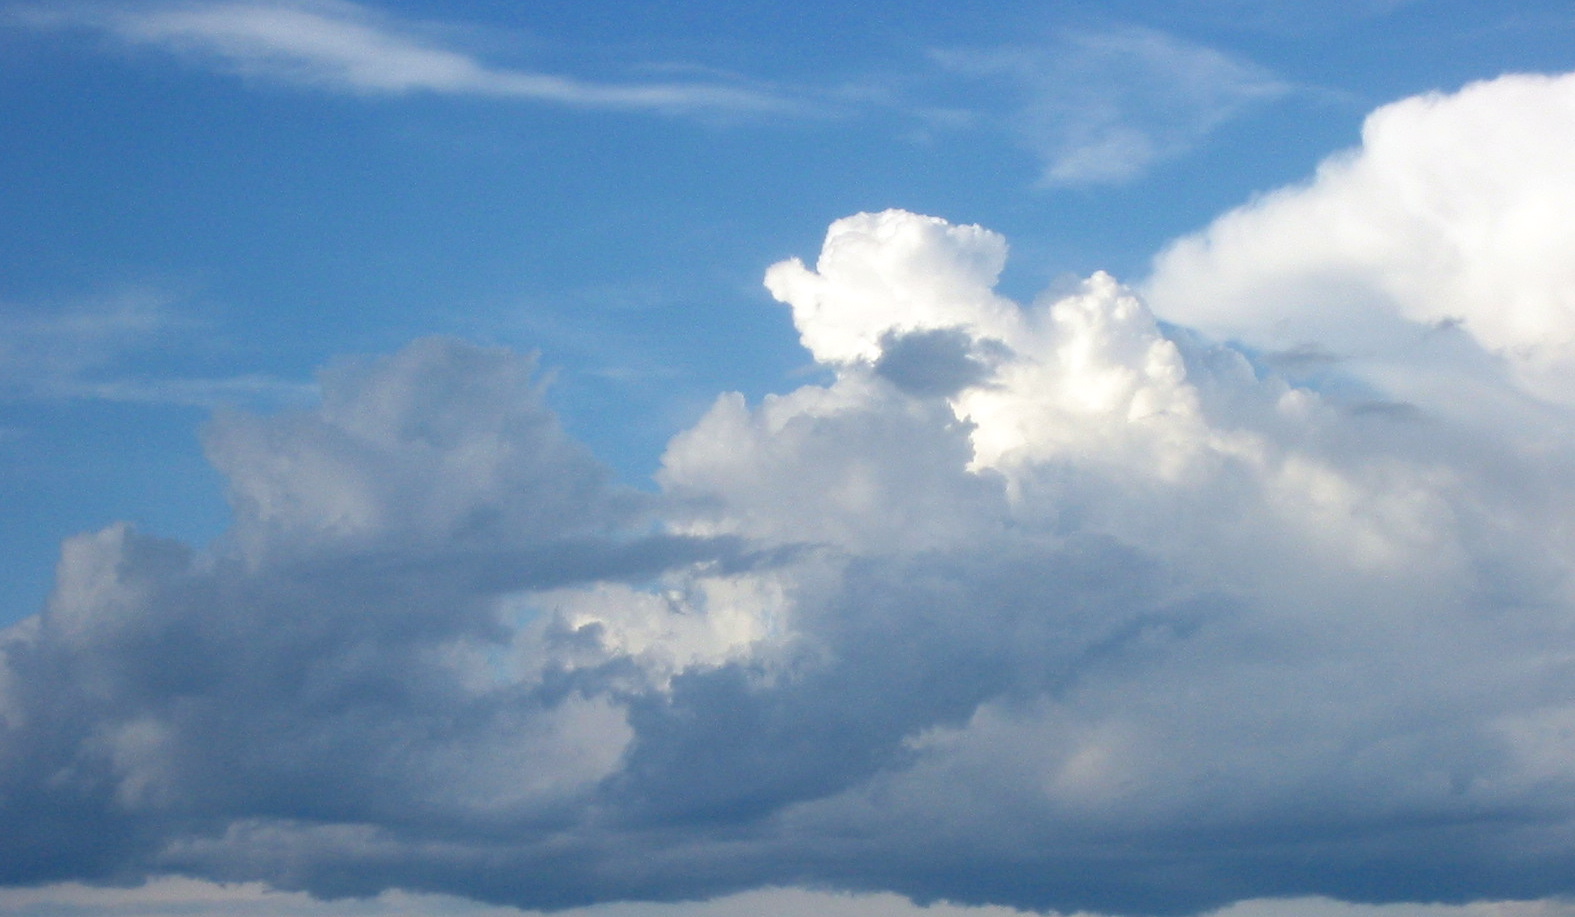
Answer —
(1053, 605)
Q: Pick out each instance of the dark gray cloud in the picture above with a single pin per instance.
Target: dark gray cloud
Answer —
(936, 363)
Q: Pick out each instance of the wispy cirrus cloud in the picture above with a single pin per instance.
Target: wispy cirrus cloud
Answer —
(347, 47)
(90, 349)
(1291, 17)
(1105, 107)
(1097, 107)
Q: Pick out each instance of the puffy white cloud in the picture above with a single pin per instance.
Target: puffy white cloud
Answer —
(1026, 381)
(1047, 606)
(1233, 606)
(1452, 217)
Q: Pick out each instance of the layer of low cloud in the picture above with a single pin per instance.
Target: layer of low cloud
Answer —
(178, 897)
(1066, 605)
(169, 897)
(345, 46)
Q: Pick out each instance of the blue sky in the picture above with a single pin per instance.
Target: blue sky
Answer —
(400, 334)
(182, 218)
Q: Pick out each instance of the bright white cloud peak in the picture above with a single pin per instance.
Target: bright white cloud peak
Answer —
(1052, 605)
(1454, 214)
(341, 45)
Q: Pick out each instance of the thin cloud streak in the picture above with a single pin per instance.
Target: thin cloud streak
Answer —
(1095, 107)
(81, 352)
(347, 47)
(1106, 107)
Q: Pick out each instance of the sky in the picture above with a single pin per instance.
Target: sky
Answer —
(872, 460)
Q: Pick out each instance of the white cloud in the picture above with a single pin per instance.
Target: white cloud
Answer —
(1452, 217)
(1049, 606)
(944, 627)
(444, 443)
(1106, 107)
(1090, 367)
(1294, 17)
(81, 350)
(1095, 106)
(344, 46)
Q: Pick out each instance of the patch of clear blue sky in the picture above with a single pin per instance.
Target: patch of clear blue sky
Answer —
(267, 227)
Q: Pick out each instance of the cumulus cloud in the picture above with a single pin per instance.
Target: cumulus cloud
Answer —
(1047, 605)
(1450, 220)
(345, 46)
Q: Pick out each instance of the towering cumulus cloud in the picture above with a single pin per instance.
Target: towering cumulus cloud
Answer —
(1454, 214)
(1053, 605)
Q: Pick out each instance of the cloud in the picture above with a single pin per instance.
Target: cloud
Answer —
(176, 896)
(1097, 107)
(935, 362)
(344, 46)
(1450, 221)
(83, 350)
(1044, 606)
(167, 897)
(1293, 17)
(1105, 107)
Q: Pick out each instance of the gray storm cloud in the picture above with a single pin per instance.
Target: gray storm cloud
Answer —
(1052, 605)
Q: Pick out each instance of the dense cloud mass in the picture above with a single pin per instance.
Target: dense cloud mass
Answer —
(1453, 216)
(1054, 605)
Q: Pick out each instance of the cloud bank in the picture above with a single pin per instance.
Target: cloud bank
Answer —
(178, 897)
(1054, 605)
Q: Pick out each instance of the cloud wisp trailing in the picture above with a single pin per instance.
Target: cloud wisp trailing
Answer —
(338, 45)
(1096, 107)
(84, 349)
(1052, 605)
(1105, 107)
